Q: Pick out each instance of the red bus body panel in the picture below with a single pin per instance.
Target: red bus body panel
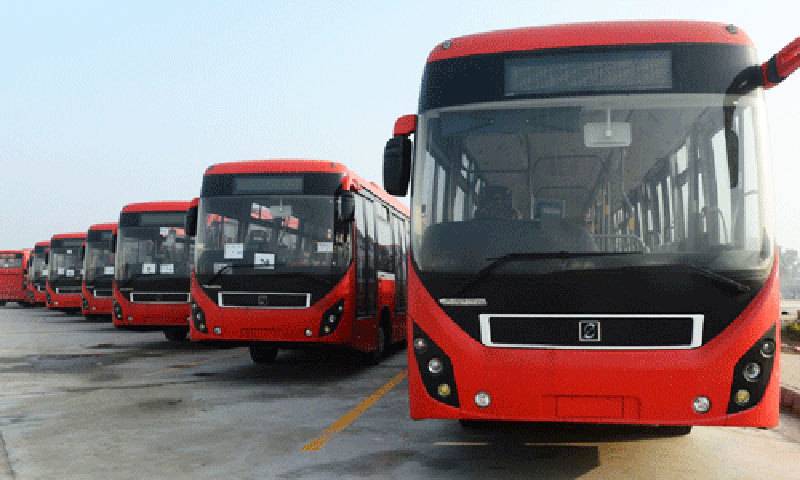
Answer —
(12, 280)
(611, 386)
(589, 34)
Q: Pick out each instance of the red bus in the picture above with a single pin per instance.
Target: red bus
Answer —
(98, 267)
(13, 272)
(37, 273)
(65, 272)
(297, 253)
(151, 276)
(592, 236)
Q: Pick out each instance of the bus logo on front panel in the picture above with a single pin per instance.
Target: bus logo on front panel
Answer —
(589, 331)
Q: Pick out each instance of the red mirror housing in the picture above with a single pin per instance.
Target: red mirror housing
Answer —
(782, 64)
(405, 125)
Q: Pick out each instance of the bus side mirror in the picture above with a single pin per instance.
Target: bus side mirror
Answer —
(83, 251)
(345, 207)
(397, 156)
(191, 221)
(782, 64)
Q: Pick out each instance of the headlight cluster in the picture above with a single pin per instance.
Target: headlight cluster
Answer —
(331, 319)
(435, 368)
(752, 373)
(84, 303)
(117, 311)
(199, 319)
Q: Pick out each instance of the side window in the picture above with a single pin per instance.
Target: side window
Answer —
(385, 261)
(398, 227)
(361, 258)
(371, 280)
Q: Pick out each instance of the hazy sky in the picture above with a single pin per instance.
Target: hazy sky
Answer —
(105, 103)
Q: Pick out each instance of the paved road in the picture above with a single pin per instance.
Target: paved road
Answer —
(81, 400)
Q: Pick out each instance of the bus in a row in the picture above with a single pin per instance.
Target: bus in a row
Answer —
(592, 234)
(13, 276)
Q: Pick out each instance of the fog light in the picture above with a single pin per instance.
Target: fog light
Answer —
(751, 371)
(443, 390)
(767, 348)
(420, 344)
(309, 332)
(701, 404)
(217, 330)
(482, 399)
(742, 397)
(130, 319)
(435, 366)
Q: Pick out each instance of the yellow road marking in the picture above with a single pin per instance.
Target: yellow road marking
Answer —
(348, 418)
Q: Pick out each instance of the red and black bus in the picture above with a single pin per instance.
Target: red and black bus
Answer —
(65, 272)
(37, 273)
(592, 235)
(13, 273)
(98, 267)
(151, 277)
(297, 253)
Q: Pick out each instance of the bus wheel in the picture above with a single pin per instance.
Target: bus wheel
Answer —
(2, 304)
(176, 334)
(382, 343)
(675, 431)
(263, 353)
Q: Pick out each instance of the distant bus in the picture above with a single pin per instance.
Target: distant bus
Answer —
(151, 275)
(98, 267)
(37, 273)
(65, 272)
(13, 270)
(295, 253)
(592, 236)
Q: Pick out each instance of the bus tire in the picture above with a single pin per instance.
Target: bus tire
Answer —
(263, 354)
(383, 342)
(3, 303)
(176, 334)
(675, 430)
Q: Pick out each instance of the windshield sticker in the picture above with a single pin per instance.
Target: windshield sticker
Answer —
(70, 273)
(264, 260)
(61, 271)
(148, 268)
(324, 247)
(69, 251)
(108, 270)
(45, 273)
(168, 268)
(218, 267)
(164, 231)
(234, 251)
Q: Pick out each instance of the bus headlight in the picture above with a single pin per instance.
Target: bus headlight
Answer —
(752, 373)
(199, 319)
(435, 368)
(117, 311)
(331, 318)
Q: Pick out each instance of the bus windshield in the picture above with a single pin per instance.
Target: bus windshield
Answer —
(265, 234)
(38, 268)
(10, 260)
(156, 247)
(65, 263)
(99, 260)
(637, 179)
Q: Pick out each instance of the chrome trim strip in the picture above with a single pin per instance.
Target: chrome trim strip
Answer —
(697, 331)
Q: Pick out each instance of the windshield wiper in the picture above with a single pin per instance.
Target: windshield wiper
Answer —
(513, 257)
(315, 278)
(718, 278)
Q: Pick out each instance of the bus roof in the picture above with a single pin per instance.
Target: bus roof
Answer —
(12, 251)
(101, 227)
(61, 236)
(44, 243)
(293, 165)
(589, 34)
(163, 206)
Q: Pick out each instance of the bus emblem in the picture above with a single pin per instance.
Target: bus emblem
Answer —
(263, 300)
(589, 331)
